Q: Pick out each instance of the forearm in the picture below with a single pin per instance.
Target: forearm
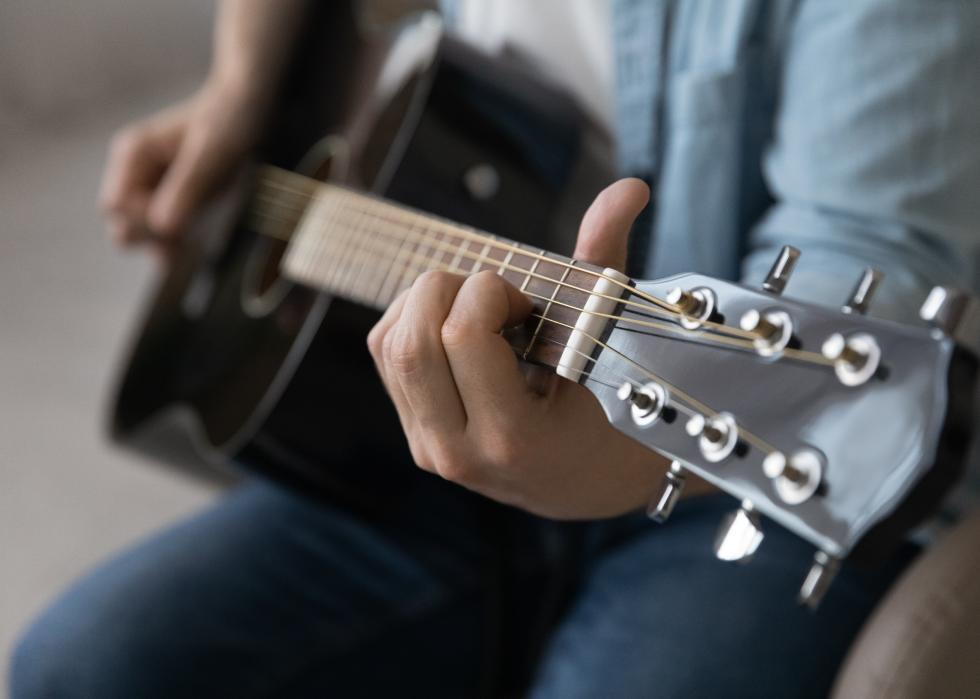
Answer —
(252, 44)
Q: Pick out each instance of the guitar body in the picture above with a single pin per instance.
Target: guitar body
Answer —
(239, 366)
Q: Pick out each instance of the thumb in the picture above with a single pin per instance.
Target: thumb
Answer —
(606, 225)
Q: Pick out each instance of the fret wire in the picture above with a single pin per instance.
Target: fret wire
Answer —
(506, 264)
(361, 258)
(399, 254)
(736, 332)
(531, 271)
(547, 308)
(339, 245)
(797, 354)
(482, 257)
(454, 265)
(528, 274)
(461, 231)
(322, 252)
(345, 260)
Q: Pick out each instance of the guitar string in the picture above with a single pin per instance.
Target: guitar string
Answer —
(720, 328)
(692, 336)
(457, 230)
(697, 405)
(789, 352)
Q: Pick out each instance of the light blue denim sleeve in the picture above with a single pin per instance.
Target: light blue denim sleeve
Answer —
(875, 158)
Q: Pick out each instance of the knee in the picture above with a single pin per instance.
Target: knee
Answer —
(40, 665)
(67, 652)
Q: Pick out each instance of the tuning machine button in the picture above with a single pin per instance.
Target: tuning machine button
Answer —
(647, 402)
(818, 579)
(781, 270)
(773, 330)
(796, 477)
(739, 535)
(955, 313)
(662, 506)
(864, 290)
(717, 435)
(695, 306)
(856, 358)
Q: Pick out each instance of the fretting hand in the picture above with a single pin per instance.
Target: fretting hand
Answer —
(475, 415)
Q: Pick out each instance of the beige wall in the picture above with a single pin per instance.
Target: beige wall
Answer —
(60, 56)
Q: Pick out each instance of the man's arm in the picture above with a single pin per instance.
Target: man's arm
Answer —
(161, 169)
(876, 155)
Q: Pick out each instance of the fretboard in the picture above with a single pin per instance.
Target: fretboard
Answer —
(370, 250)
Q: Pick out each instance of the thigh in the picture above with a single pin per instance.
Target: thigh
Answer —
(267, 594)
(657, 615)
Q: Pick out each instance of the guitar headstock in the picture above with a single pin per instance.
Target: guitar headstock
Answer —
(824, 420)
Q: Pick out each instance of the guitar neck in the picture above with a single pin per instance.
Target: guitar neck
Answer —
(370, 250)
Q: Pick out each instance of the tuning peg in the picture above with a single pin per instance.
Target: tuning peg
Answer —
(818, 579)
(648, 401)
(739, 535)
(956, 313)
(695, 306)
(662, 506)
(864, 290)
(856, 358)
(797, 477)
(773, 330)
(781, 270)
(717, 435)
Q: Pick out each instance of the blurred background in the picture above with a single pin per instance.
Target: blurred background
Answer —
(70, 74)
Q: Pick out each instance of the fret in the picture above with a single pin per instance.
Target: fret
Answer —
(505, 266)
(343, 235)
(457, 258)
(544, 313)
(395, 271)
(365, 243)
(481, 258)
(354, 227)
(531, 272)
(408, 271)
(322, 255)
(436, 262)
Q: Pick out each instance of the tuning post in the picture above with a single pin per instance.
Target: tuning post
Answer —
(695, 306)
(781, 270)
(864, 290)
(647, 401)
(717, 435)
(856, 358)
(662, 506)
(956, 313)
(818, 579)
(773, 330)
(796, 477)
(739, 535)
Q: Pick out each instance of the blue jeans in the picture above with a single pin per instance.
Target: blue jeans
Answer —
(268, 594)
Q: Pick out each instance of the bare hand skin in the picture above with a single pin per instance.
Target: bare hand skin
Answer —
(162, 169)
(474, 415)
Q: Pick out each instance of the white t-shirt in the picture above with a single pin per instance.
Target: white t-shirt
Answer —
(570, 41)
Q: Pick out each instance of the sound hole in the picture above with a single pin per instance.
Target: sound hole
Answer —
(263, 287)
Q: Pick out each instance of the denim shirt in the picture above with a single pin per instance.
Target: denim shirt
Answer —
(847, 128)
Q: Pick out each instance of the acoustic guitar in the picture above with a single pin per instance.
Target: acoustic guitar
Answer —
(843, 428)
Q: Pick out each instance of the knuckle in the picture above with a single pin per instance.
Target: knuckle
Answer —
(434, 281)
(454, 469)
(455, 331)
(404, 354)
(375, 341)
(502, 447)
